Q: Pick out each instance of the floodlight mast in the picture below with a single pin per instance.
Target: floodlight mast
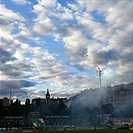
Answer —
(99, 74)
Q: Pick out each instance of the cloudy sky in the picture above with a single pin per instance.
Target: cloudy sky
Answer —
(58, 44)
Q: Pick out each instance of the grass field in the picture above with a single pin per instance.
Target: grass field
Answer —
(90, 131)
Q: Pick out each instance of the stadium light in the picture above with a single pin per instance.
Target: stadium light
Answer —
(99, 74)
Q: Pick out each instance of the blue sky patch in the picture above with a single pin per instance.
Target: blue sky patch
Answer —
(98, 16)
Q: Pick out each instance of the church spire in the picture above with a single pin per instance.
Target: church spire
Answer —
(47, 91)
(47, 96)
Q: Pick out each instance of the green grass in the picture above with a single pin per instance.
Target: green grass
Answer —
(90, 131)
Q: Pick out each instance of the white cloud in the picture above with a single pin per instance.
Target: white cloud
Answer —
(63, 13)
(122, 37)
(47, 3)
(76, 47)
(7, 19)
(48, 19)
(44, 27)
(21, 2)
(8, 16)
(123, 15)
(25, 34)
(74, 7)
(86, 42)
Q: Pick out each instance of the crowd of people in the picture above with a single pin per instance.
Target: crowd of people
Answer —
(62, 122)
(54, 123)
(19, 124)
(57, 121)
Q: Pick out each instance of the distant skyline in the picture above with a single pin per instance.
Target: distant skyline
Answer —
(59, 44)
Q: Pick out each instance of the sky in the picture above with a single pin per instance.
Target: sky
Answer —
(59, 44)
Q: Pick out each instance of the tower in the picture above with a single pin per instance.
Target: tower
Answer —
(47, 97)
(99, 74)
(10, 100)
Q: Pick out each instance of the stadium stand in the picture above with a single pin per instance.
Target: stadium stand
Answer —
(15, 124)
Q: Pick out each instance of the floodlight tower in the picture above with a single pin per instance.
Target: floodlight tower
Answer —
(99, 74)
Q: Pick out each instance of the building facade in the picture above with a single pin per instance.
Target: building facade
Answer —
(123, 100)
